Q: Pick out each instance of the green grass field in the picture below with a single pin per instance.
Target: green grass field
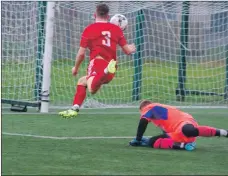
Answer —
(159, 82)
(23, 155)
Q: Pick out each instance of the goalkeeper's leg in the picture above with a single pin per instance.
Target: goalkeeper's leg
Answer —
(189, 130)
(164, 142)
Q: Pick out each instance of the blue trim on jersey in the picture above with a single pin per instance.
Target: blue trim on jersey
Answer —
(149, 114)
(157, 112)
(160, 112)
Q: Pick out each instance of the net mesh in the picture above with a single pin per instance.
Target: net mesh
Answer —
(160, 54)
(19, 50)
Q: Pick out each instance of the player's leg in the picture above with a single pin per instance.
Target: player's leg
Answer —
(190, 130)
(101, 73)
(80, 94)
(94, 83)
(164, 142)
(98, 73)
(79, 97)
(104, 80)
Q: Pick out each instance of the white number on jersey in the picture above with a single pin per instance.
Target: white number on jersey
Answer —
(107, 40)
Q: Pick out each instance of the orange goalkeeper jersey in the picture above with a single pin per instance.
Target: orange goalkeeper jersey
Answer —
(166, 117)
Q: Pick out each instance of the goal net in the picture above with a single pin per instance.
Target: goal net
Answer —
(181, 58)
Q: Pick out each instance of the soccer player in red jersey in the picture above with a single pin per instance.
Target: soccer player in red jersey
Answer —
(180, 129)
(101, 38)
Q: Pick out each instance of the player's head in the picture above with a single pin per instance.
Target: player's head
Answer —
(102, 12)
(144, 103)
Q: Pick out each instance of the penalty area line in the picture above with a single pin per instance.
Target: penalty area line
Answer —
(67, 137)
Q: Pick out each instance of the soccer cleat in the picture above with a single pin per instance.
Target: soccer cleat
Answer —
(68, 113)
(190, 146)
(112, 66)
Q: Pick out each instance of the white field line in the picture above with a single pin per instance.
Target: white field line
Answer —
(67, 137)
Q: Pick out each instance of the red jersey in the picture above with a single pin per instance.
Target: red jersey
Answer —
(102, 38)
(168, 118)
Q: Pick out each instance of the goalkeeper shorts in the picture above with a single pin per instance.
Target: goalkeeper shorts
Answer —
(178, 135)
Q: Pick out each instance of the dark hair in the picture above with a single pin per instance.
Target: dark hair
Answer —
(144, 103)
(102, 10)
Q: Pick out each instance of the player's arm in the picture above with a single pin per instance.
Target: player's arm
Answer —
(144, 120)
(81, 52)
(79, 58)
(127, 48)
(143, 123)
(139, 141)
(157, 112)
(141, 128)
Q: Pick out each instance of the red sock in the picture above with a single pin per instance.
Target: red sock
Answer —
(98, 81)
(206, 131)
(164, 143)
(80, 95)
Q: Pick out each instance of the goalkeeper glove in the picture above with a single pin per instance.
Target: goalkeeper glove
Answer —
(143, 142)
(135, 142)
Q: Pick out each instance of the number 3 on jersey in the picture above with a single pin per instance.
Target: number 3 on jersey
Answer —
(107, 40)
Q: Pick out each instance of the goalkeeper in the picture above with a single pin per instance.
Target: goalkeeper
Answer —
(180, 129)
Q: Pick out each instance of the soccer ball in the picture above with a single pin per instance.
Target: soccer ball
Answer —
(119, 20)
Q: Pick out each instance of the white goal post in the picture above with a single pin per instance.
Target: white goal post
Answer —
(49, 34)
(181, 59)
